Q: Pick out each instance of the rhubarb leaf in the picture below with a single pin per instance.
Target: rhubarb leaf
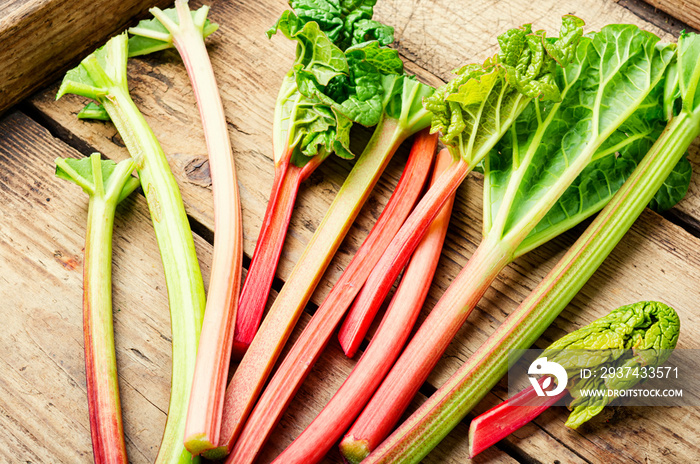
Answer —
(475, 109)
(674, 188)
(306, 126)
(346, 22)
(150, 35)
(632, 336)
(564, 160)
(363, 95)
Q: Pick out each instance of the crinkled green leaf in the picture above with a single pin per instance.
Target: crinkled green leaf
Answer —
(346, 22)
(306, 124)
(361, 96)
(565, 159)
(150, 35)
(474, 110)
(375, 79)
(315, 51)
(635, 335)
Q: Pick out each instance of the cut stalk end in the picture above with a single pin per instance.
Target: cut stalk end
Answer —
(197, 443)
(354, 451)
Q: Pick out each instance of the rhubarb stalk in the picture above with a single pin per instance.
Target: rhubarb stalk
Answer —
(560, 163)
(102, 77)
(305, 133)
(186, 31)
(505, 418)
(107, 184)
(450, 403)
(307, 349)
(318, 438)
(268, 249)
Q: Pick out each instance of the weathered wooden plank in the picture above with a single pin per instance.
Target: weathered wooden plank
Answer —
(434, 37)
(41, 37)
(687, 11)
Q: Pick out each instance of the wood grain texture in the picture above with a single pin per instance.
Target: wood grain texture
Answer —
(40, 38)
(687, 11)
(657, 260)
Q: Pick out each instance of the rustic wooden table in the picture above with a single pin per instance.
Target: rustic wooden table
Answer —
(43, 409)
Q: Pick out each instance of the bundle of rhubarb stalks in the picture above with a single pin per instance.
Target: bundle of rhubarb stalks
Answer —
(562, 126)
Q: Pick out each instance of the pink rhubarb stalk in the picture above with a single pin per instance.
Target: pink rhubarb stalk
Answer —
(396, 255)
(213, 355)
(306, 350)
(318, 438)
(494, 425)
(268, 249)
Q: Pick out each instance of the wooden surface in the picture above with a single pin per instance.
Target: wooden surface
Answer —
(42, 220)
(40, 38)
(687, 11)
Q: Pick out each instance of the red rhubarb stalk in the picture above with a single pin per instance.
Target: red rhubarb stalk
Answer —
(635, 336)
(505, 418)
(318, 438)
(396, 255)
(306, 350)
(258, 281)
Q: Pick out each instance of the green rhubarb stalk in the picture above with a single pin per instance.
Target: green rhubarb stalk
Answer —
(560, 163)
(634, 336)
(307, 348)
(473, 112)
(186, 30)
(450, 403)
(102, 77)
(107, 184)
(320, 436)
